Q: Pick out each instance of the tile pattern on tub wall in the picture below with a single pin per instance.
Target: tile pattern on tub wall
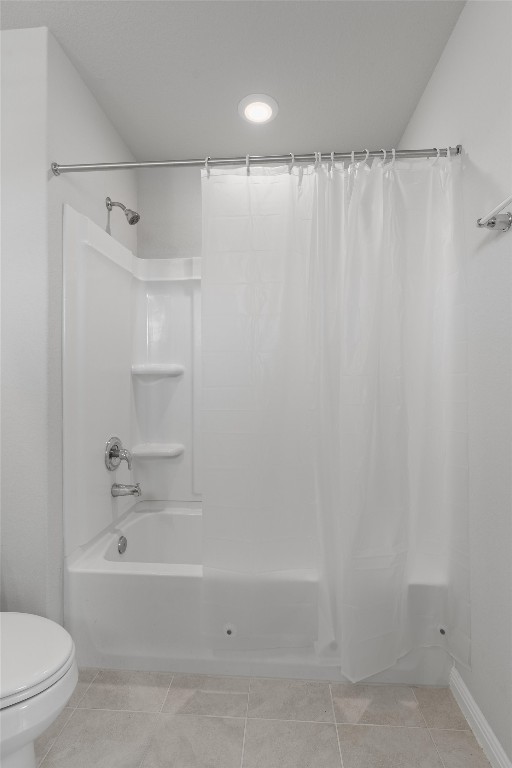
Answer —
(102, 739)
(195, 742)
(127, 690)
(375, 704)
(385, 746)
(278, 744)
(47, 739)
(440, 709)
(85, 678)
(290, 700)
(459, 749)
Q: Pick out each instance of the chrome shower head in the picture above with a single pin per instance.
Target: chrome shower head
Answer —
(132, 217)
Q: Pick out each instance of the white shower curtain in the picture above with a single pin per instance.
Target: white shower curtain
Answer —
(358, 386)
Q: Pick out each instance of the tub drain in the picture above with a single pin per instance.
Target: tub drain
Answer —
(122, 544)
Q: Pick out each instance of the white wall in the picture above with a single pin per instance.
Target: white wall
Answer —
(47, 114)
(468, 101)
(24, 327)
(170, 205)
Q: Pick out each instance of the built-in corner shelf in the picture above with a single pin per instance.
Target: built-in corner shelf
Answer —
(158, 369)
(157, 450)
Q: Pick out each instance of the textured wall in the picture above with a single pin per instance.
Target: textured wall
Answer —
(468, 101)
(170, 204)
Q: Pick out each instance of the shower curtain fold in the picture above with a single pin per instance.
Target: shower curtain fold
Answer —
(335, 435)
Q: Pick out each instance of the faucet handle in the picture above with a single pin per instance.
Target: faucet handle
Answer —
(115, 454)
(125, 455)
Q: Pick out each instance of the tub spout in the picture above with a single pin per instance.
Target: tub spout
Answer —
(118, 489)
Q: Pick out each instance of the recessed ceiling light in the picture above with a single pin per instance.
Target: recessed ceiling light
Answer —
(258, 108)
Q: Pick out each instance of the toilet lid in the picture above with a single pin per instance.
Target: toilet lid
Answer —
(34, 653)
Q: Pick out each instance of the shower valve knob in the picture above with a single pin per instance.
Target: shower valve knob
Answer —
(115, 454)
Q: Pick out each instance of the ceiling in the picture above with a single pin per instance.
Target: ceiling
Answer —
(170, 74)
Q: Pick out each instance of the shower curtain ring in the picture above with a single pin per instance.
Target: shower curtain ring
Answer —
(247, 161)
(332, 161)
(206, 166)
(393, 152)
(292, 162)
(384, 153)
(352, 157)
(367, 155)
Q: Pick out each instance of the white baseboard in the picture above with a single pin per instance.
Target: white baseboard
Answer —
(477, 722)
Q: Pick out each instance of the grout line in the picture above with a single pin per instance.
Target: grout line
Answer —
(419, 706)
(87, 689)
(428, 729)
(245, 725)
(57, 736)
(167, 694)
(73, 710)
(242, 717)
(157, 714)
(436, 749)
(336, 725)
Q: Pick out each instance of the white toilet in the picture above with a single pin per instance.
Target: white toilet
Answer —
(38, 674)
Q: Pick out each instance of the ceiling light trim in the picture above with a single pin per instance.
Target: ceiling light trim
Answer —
(258, 102)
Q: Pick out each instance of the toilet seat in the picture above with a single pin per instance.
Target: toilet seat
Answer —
(35, 654)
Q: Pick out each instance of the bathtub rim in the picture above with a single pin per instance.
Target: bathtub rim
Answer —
(91, 557)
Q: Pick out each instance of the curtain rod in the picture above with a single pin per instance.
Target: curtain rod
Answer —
(57, 169)
(493, 221)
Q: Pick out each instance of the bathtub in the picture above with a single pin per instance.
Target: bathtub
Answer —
(134, 609)
(142, 609)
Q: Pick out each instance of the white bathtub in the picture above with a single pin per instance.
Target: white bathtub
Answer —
(142, 609)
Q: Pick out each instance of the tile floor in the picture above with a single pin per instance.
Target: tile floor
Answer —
(122, 719)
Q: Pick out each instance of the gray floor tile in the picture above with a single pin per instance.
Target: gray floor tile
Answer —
(383, 746)
(223, 684)
(278, 744)
(290, 700)
(459, 749)
(439, 708)
(102, 739)
(376, 704)
(85, 678)
(47, 739)
(127, 690)
(195, 742)
(188, 701)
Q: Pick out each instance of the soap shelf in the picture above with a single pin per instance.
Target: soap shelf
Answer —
(158, 369)
(157, 450)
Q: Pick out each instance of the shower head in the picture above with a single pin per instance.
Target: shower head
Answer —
(132, 217)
